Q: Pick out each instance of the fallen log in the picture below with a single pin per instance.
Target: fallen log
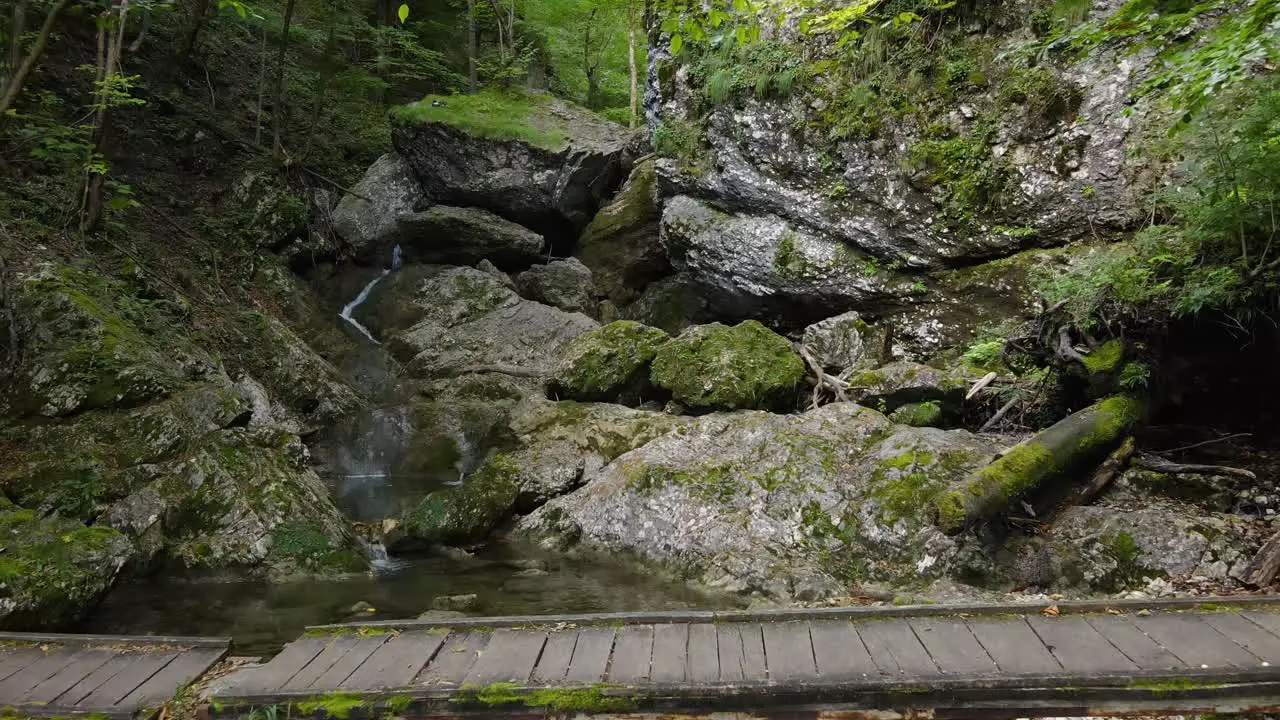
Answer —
(1265, 564)
(1075, 442)
(1106, 472)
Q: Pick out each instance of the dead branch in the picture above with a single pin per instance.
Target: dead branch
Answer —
(1106, 472)
(1065, 350)
(977, 387)
(999, 414)
(1159, 464)
(1224, 438)
(1265, 564)
(344, 189)
(837, 386)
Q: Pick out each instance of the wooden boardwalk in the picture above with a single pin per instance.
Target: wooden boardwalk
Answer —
(988, 661)
(102, 675)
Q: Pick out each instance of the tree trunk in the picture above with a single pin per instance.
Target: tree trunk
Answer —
(198, 17)
(472, 74)
(95, 183)
(631, 60)
(18, 79)
(17, 26)
(278, 109)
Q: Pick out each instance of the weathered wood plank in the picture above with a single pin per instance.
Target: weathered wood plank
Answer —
(670, 654)
(508, 658)
(953, 648)
(839, 651)
(896, 650)
(454, 660)
(396, 662)
(557, 653)
(41, 668)
(755, 665)
(332, 653)
(1195, 642)
(1135, 644)
(123, 683)
(281, 668)
(338, 673)
(1014, 646)
(14, 660)
(590, 655)
(1268, 621)
(788, 652)
(85, 663)
(1245, 634)
(1079, 647)
(632, 652)
(704, 654)
(729, 650)
(96, 679)
(161, 686)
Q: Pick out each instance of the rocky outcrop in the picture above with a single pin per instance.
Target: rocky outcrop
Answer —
(671, 304)
(465, 236)
(552, 184)
(753, 265)
(891, 386)
(715, 367)
(472, 322)
(467, 512)
(564, 284)
(621, 244)
(786, 506)
(837, 343)
(368, 218)
(609, 364)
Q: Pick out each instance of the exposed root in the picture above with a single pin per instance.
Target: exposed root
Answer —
(837, 386)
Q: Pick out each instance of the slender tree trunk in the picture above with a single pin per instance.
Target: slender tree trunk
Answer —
(472, 74)
(17, 26)
(278, 108)
(497, 13)
(198, 17)
(13, 88)
(95, 183)
(631, 60)
(262, 89)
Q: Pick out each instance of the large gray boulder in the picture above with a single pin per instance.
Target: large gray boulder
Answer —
(837, 343)
(551, 181)
(368, 218)
(565, 284)
(753, 264)
(786, 506)
(465, 236)
(472, 322)
(621, 245)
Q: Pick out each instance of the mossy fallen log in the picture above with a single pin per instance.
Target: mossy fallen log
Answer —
(1071, 444)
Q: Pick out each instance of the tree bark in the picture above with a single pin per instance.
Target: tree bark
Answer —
(278, 110)
(18, 79)
(472, 74)
(95, 183)
(17, 26)
(631, 61)
(1264, 566)
(201, 12)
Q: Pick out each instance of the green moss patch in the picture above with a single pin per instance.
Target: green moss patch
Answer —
(609, 364)
(592, 699)
(467, 512)
(918, 414)
(490, 114)
(717, 367)
(1105, 358)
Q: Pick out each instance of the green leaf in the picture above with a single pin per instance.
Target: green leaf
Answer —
(403, 12)
(677, 42)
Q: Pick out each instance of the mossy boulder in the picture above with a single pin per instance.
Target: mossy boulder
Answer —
(53, 570)
(299, 378)
(904, 382)
(1067, 446)
(621, 244)
(468, 512)
(717, 367)
(923, 414)
(609, 364)
(672, 304)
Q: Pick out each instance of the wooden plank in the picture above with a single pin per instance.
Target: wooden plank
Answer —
(896, 650)
(40, 668)
(396, 662)
(631, 654)
(85, 663)
(556, 656)
(704, 654)
(731, 658)
(333, 651)
(281, 668)
(1268, 621)
(755, 667)
(508, 658)
(364, 648)
(143, 667)
(1079, 647)
(138, 641)
(454, 660)
(591, 655)
(11, 661)
(161, 686)
(788, 652)
(670, 654)
(96, 679)
(1195, 642)
(839, 651)
(1245, 634)
(1135, 644)
(1014, 646)
(953, 648)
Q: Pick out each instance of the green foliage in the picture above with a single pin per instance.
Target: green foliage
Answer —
(585, 43)
(985, 354)
(971, 180)
(492, 114)
(682, 140)
(1134, 376)
(762, 70)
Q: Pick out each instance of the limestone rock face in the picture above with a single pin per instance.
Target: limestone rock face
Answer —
(621, 244)
(553, 188)
(369, 219)
(565, 284)
(891, 386)
(786, 506)
(465, 236)
(470, 319)
(837, 343)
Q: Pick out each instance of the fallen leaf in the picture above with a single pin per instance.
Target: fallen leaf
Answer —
(1051, 611)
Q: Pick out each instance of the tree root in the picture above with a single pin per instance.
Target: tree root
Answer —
(1159, 464)
(837, 386)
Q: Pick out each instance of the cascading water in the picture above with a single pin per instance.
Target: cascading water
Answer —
(364, 295)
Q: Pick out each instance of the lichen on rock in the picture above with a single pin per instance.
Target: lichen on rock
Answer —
(609, 364)
(720, 367)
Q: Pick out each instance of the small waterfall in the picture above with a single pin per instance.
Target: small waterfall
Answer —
(378, 557)
(364, 295)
